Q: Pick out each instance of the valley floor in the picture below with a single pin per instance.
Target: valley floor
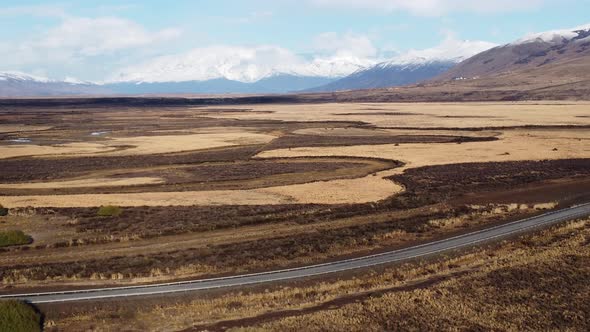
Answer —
(211, 191)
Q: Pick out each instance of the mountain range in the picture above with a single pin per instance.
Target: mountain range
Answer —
(15, 84)
(412, 67)
(559, 54)
(532, 53)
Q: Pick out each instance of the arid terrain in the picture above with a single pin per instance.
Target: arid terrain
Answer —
(202, 191)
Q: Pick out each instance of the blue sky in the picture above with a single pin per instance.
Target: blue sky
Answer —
(91, 39)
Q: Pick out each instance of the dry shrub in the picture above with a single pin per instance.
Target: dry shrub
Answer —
(109, 211)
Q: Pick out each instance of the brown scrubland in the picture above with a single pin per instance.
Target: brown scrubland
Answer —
(211, 191)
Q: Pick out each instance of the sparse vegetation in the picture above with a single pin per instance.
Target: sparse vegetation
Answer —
(17, 316)
(549, 269)
(109, 211)
(536, 283)
(448, 189)
(14, 238)
(295, 248)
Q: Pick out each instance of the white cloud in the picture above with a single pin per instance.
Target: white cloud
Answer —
(348, 44)
(450, 49)
(239, 63)
(233, 62)
(76, 42)
(432, 7)
(97, 36)
(336, 56)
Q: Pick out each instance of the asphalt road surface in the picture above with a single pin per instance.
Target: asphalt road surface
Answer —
(461, 241)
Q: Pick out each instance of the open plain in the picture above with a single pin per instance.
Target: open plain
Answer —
(196, 192)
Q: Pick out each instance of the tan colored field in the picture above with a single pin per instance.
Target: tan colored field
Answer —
(537, 285)
(513, 145)
(10, 128)
(427, 115)
(84, 183)
(363, 190)
(369, 189)
(187, 198)
(181, 143)
(70, 149)
(364, 132)
(482, 289)
(140, 145)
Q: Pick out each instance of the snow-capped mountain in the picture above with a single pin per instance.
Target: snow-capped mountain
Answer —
(411, 67)
(534, 51)
(269, 69)
(273, 84)
(557, 37)
(17, 84)
(239, 64)
(22, 77)
(224, 69)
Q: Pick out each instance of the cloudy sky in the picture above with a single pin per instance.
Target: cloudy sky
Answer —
(94, 40)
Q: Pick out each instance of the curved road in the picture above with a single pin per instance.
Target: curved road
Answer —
(461, 241)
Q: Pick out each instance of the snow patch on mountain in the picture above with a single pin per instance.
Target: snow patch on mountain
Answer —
(73, 80)
(450, 50)
(554, 36)
(19, 76)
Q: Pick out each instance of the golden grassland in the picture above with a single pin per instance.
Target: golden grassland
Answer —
(78, 148)
(536, 282)
(84, 183)
(139, 145)
(426, 115)
(12, 128)
(368, 189)
(512, 145)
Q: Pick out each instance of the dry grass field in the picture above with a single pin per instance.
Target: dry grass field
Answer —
(535, 282)
(221, 190)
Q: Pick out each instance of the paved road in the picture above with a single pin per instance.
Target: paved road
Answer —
(465, 240)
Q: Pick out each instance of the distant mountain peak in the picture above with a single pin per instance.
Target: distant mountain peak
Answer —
(533, 52)
(241, 64)
(450, 50)
(556, 36)
(410, 67)
(20, 76)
